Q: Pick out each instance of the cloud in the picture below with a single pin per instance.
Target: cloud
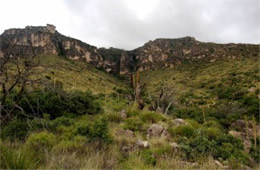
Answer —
(130, 23)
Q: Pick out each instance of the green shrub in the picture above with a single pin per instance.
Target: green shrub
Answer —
(211, 132)
(61, 121)
(96, 131)
(148, 157)
(182, 131)
(41, 141)
(40, 124)
(133, 123)
(151, 117)
(77, 144)
(16, 129)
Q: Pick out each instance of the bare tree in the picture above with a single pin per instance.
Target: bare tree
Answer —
(15, 75)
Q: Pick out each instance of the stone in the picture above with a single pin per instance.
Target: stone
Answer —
(123, 114)
(175, 146)
(219, 164)
(142, 144)
(126, 133)
(155, 130)
(177, 122)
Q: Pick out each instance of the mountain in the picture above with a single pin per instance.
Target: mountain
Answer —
(65, 104)
(152, 55)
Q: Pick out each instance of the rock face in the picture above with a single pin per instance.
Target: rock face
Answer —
(152, 55)
(40, 40)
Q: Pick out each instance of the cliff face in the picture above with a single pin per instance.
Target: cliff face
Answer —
(153, 55)
(38, 40)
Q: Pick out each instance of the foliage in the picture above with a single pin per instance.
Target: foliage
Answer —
(41, 141)
(98, 130)
(133, 123)
(148, 157)
(16, 129)
(182, 130)
(17, 158)
(152, 117)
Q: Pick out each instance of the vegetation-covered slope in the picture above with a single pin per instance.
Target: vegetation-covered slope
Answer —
(210, 123)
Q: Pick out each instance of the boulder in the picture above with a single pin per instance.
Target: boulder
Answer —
(155, 130)
(178, 122)
(125, 133)
(175, 146)
(142, 144)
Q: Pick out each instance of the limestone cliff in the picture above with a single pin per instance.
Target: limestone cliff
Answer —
(152, 55)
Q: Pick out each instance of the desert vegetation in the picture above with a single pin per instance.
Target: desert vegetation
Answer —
(194, 116)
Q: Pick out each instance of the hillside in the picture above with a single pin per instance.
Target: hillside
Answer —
(170, 104)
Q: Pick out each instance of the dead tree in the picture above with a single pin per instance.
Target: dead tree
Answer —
(162, 103)
(138, 88)
(15, 75)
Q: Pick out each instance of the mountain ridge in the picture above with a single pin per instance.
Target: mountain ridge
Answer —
(161, 52)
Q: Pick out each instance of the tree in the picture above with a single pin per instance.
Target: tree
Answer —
(15, 76)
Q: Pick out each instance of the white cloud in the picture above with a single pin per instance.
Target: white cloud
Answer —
(130, 23)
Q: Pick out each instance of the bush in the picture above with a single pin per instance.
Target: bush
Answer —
(97, 131)
(61, 121)
(41, 141)
(152, 117)
(16, 129)
(77, 144)
(134, 124)
(58, 103)
(182, 131)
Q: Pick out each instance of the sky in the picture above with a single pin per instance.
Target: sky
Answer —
(128, 24)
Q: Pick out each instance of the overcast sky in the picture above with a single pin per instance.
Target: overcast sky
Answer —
(129, 24)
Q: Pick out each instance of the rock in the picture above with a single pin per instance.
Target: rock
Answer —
(126, 133)
(252, 89)
(219, 164)
(142, 144)
(175, 146)
(123, 114)
(242, 136)
(155, 130)
(166, 135)
(241, 125)
(178, 122)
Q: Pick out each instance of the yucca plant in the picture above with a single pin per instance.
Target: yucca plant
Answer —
(17, 158)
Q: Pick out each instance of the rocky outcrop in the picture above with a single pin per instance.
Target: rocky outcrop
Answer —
(152, 55)
(41, 40)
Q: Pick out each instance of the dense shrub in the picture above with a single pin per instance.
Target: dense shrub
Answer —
(189, 113)
(58, 103)
(96, 131)
(151, 117)
(62, 121)
(223, 146)
(16, 129)
(182, 131)
(41, 141)
(78, 143)
(133, 123)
